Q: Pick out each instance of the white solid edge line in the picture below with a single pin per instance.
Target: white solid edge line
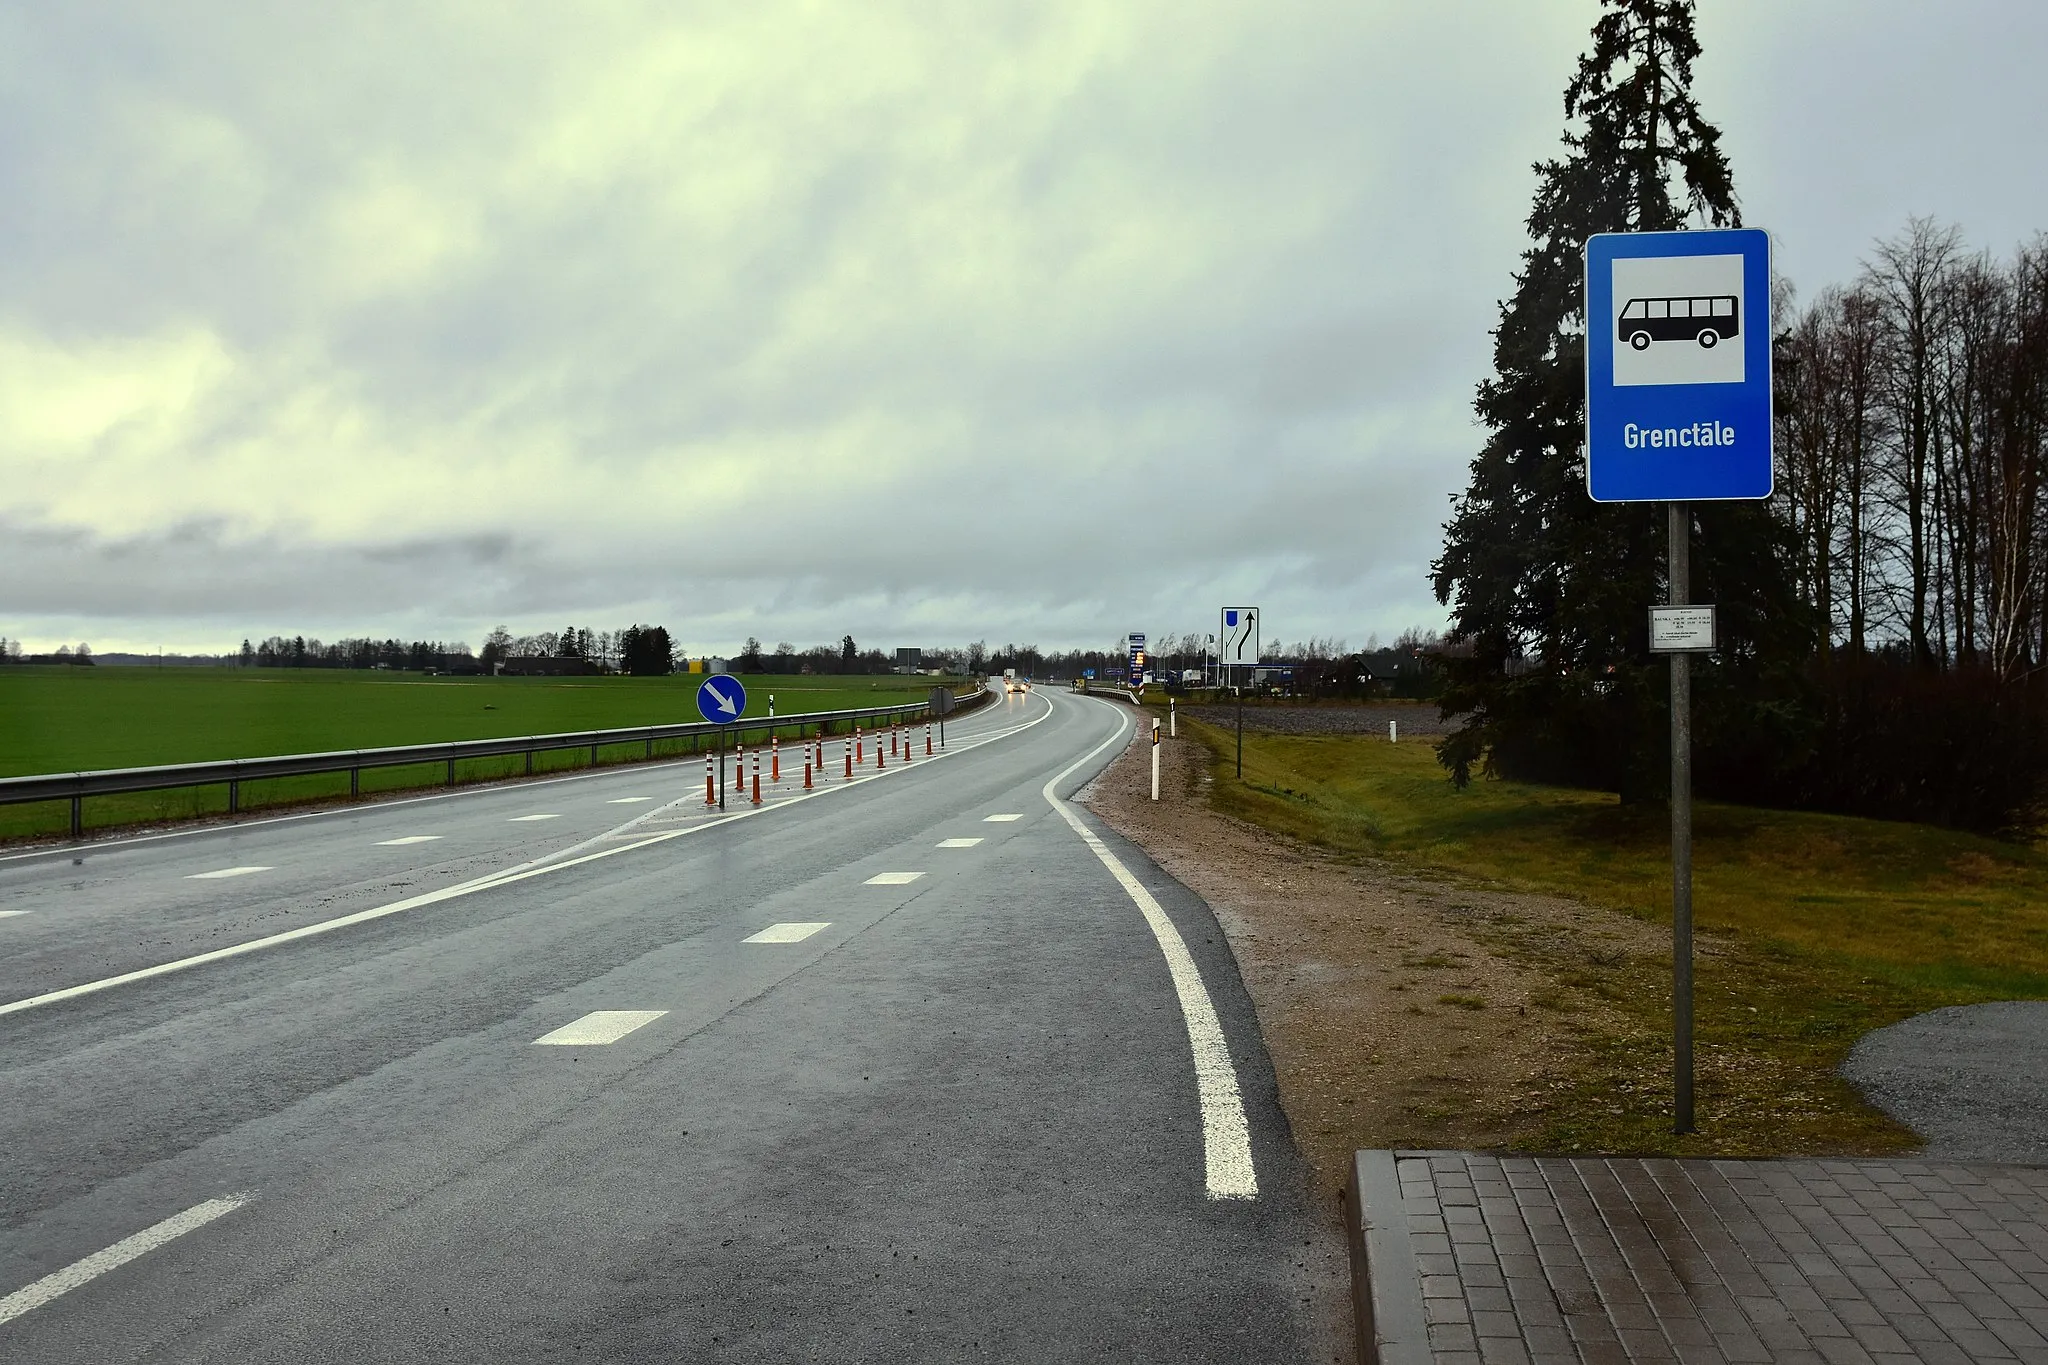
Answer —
(73, 850)
(34, 1296)
(1226, 1134)
(483, 883)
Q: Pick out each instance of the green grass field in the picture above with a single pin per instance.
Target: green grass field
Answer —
(1814, 928)
(56, 719)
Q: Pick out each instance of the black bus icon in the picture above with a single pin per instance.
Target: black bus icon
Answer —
(1708, 319)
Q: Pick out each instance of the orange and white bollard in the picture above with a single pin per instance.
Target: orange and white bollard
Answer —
(775, 758)
(757, 777)
(807, 769)
(846, 747)
(710, 784)
(893, 727)
(879, 765)
(927, 739)
(860, 752)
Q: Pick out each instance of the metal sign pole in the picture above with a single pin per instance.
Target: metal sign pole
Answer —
(1678, 411)
(1240, 729)
(1678, 516)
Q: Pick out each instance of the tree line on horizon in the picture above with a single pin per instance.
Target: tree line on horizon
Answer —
(1883, 617)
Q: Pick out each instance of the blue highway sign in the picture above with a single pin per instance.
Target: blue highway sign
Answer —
(1678, 366)
(721, 699)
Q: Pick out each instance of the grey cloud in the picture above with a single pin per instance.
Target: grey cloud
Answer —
(1034, 339)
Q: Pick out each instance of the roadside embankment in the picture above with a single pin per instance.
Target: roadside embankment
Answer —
(1490, 968)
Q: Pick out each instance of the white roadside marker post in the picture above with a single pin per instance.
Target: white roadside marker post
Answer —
(1172, 720)
(1393, 736)
(1155, 758)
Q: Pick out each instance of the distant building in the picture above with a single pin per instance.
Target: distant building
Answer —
(550, 666)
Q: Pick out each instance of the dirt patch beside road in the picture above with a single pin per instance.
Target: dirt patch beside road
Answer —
(1399, 1011)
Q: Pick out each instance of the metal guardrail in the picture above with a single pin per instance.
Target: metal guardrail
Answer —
(233, 772)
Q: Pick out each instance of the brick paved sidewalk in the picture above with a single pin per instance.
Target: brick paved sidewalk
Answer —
(1465, 1258)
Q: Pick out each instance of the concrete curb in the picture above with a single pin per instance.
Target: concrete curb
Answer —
(1393, 1328)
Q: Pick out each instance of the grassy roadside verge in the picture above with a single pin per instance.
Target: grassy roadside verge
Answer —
(1813, 929)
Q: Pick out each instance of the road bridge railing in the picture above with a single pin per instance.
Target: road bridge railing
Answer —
(233, 772)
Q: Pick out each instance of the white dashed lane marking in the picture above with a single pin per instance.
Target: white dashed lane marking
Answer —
(225, 872)
(34, 1296)
(998, 819)
(627, 800)
(523, 819)
(958, 843)
(598, 1028)
(9, 914)
(786, 933)
(408, 839)
(893, 878)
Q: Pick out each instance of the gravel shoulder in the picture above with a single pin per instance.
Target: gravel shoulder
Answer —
(1972, 1079)
(1399, 1010)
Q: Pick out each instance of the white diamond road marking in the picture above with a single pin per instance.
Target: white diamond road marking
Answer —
(598, 1028)
(786, 933)
(522, 819)
(407, 839)
(998, 819)
(893, 878)
(958, 843)
(225, 872)
(627, 800)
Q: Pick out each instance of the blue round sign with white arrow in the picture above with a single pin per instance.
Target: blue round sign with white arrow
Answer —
(721, 699)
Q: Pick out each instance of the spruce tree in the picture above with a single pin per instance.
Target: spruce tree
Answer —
(1547, 588)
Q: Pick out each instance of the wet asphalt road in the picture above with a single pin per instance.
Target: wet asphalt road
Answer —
(959, 1121)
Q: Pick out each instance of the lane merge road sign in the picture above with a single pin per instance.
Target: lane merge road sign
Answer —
(721, 699)
(1240, 638)
(1678, 365)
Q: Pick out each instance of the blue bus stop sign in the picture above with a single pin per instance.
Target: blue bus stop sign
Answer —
(720, 699)
(1678, 366)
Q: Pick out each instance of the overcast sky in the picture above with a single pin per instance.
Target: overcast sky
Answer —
(925, 322)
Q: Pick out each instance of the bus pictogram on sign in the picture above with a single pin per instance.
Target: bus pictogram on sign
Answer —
(1704, 321)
